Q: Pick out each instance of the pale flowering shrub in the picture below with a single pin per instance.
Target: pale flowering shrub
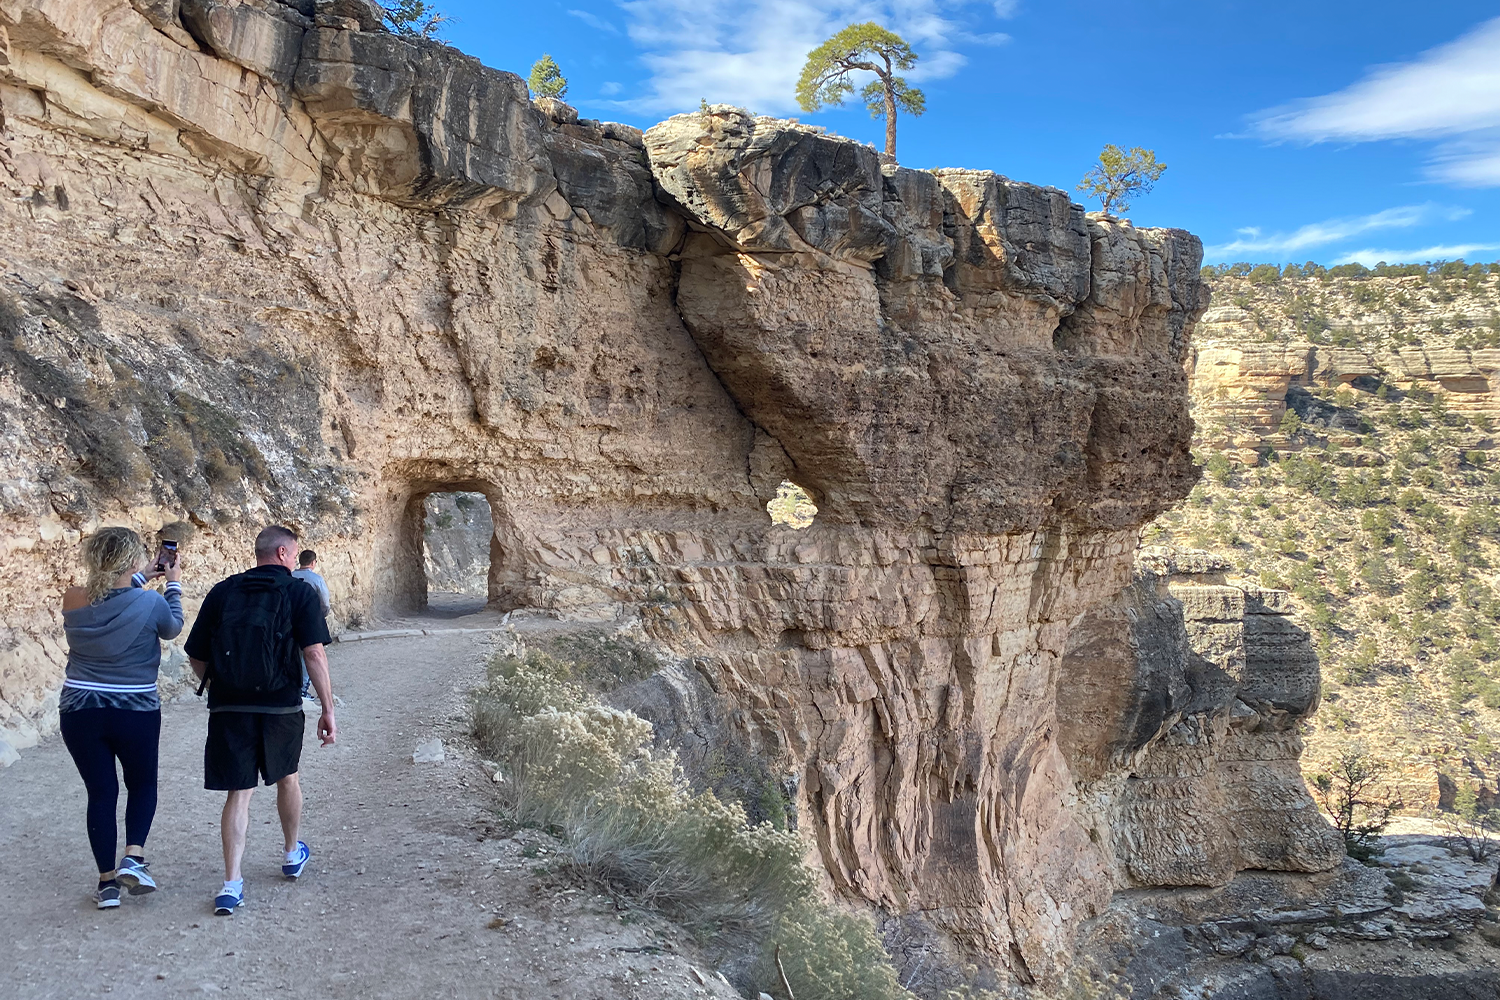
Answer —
(563, 761)
(632, 826)
(827, 954)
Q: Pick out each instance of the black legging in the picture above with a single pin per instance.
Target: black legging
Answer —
(95, 737)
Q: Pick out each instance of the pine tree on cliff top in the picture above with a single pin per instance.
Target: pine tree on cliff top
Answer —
(414, 18)
(546, 79)
(1121, 175)
(872, 49)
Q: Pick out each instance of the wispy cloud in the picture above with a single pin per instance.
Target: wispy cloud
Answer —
(1473, 161)
(1254, 241)
(1450, 92)
(1006, 8)
(1447, 251)
(750, 52)
(609, 88)
(594, 21)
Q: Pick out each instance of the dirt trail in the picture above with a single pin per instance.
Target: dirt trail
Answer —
(411, 892)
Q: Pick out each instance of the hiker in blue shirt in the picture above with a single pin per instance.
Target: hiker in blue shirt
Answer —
(108, 709)
(307, 572)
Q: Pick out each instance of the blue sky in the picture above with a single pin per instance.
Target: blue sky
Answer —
(1323, 130)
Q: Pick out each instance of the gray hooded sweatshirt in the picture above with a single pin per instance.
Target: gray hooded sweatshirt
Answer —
(114, 647)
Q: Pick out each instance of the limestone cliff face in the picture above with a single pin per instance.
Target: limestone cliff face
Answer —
(262, 262)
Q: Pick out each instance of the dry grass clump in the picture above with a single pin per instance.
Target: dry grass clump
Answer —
(632, 826)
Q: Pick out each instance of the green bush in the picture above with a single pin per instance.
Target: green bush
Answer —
(1219, 467)
(598, 660)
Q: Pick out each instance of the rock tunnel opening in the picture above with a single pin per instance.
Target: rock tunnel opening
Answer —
(442, 556)
(792, 506)
(458, 531)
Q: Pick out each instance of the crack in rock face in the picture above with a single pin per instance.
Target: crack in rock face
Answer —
(311, 272)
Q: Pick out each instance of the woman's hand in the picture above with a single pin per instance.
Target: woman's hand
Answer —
(173, 573)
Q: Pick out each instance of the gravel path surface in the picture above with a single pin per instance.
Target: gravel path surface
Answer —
(412, 892)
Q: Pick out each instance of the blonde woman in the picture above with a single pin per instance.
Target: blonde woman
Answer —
(108, 709)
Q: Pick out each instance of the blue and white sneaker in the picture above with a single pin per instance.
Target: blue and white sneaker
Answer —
(107, 896)
(296, 861)
(229, 899)
(135, 876)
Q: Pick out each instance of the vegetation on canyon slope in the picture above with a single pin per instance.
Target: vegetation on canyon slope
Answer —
(1375, 501)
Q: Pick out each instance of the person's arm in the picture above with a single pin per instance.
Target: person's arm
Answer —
(316, 658)
(323, 596)
(311, 634)
(199, 645)
(169, 620)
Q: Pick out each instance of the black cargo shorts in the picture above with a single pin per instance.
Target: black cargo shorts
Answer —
(244, 745)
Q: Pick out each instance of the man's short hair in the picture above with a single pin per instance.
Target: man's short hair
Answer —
(307, 558)
(272, 538)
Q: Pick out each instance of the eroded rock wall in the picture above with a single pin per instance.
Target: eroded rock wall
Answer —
(1179, 710)
(1262, 346)
(261, 262)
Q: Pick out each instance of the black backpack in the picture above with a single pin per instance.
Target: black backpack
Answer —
(252, 638)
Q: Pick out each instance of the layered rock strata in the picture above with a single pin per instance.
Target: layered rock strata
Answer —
(262, 262)
(1250, 356)
(1179, 711)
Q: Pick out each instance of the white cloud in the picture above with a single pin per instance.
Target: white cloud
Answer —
(609, 88)
(1451, 251)
(1473, 161)
(1452, 92)
(750, 52)
(1006, 8)
(1253, 241)
(594, 21)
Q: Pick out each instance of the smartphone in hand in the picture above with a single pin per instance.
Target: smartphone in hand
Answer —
(166, 555)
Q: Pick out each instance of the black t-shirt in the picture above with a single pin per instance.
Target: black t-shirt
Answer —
(308, 629)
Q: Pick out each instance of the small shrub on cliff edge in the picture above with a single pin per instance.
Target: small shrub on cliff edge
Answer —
(1471, 826)
(414, 18)
(825, 953)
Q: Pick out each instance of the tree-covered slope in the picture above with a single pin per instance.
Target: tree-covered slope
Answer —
(1347, 422)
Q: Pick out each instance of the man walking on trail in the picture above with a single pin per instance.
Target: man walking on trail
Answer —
(307, 572)
(244, 647)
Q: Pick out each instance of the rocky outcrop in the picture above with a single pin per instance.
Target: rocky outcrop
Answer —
(264, 263)
(1179, 710)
